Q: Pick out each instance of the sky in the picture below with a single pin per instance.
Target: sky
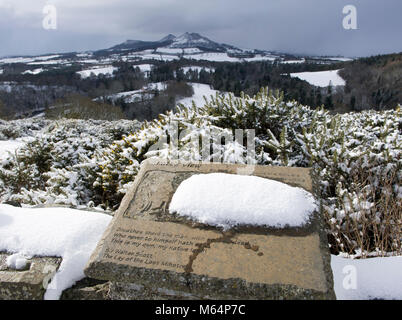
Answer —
(313, 27)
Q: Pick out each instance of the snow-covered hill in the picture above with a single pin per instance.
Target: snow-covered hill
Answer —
(169, 48)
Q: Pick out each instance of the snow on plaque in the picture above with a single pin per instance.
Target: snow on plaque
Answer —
(227, 200)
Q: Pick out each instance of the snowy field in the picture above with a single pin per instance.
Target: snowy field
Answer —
(200, 90)
(146, 68)
(142, 94)
(293, 61)
(73, 235)
(214, 57)
(97, 71)
(36, 71)
(27, 59)
(321, 78)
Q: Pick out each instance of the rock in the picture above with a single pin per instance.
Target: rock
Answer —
(13, 203)
(148, 253)
(27, 284)
(87, 289)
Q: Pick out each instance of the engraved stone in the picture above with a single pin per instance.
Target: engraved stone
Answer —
(149, 248)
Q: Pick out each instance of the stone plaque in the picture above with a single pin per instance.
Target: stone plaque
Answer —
(147, 248)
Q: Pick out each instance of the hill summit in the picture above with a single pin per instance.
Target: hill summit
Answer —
(185, 41)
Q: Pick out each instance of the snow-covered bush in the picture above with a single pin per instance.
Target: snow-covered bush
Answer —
(267, 113)
(57, 166)
(356, 159)
(21, 128)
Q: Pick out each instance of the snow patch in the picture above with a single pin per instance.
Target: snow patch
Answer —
(321, 78)
(200, 91)
(61, 232)
(36, 71)
(293, 61)
(227, 200)
(17, 261)
(367, 279)
(198, 69)
(97, 71)
(10, 146)
(144, 67)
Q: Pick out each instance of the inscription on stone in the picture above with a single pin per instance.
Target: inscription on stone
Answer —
(153, 244)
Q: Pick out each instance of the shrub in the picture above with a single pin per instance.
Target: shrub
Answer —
(355, 159)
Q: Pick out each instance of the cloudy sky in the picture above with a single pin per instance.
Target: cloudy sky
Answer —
(294, 26)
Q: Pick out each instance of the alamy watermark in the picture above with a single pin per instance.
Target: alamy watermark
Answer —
(350, 280)
(350, 20)
(49, 21)
(211, 145)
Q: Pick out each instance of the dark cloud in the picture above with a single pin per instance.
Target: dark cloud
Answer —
(295, 26)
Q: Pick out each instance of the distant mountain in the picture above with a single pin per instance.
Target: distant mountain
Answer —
(185, 41)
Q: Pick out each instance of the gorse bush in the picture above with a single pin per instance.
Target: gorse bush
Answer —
(21, 128)
(355, 159)
(58, 167)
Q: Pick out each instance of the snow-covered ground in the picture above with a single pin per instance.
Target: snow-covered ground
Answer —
(97, 71)
(27, 59)
(10, 146)
(144, 67)
(293, 61)
(36, 71)
(174, 51)
(200, 90)
(214, 56)
(73, 235)
(227, 200)
(142, 94)
(367, 279)
(198, 69)
(61, 232)
(145, 93)
(149, 55)
(259, 57)
(48, 62)
(321, 78)
(339, 59)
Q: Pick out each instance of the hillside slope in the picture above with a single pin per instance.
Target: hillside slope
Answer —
(374, 81)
